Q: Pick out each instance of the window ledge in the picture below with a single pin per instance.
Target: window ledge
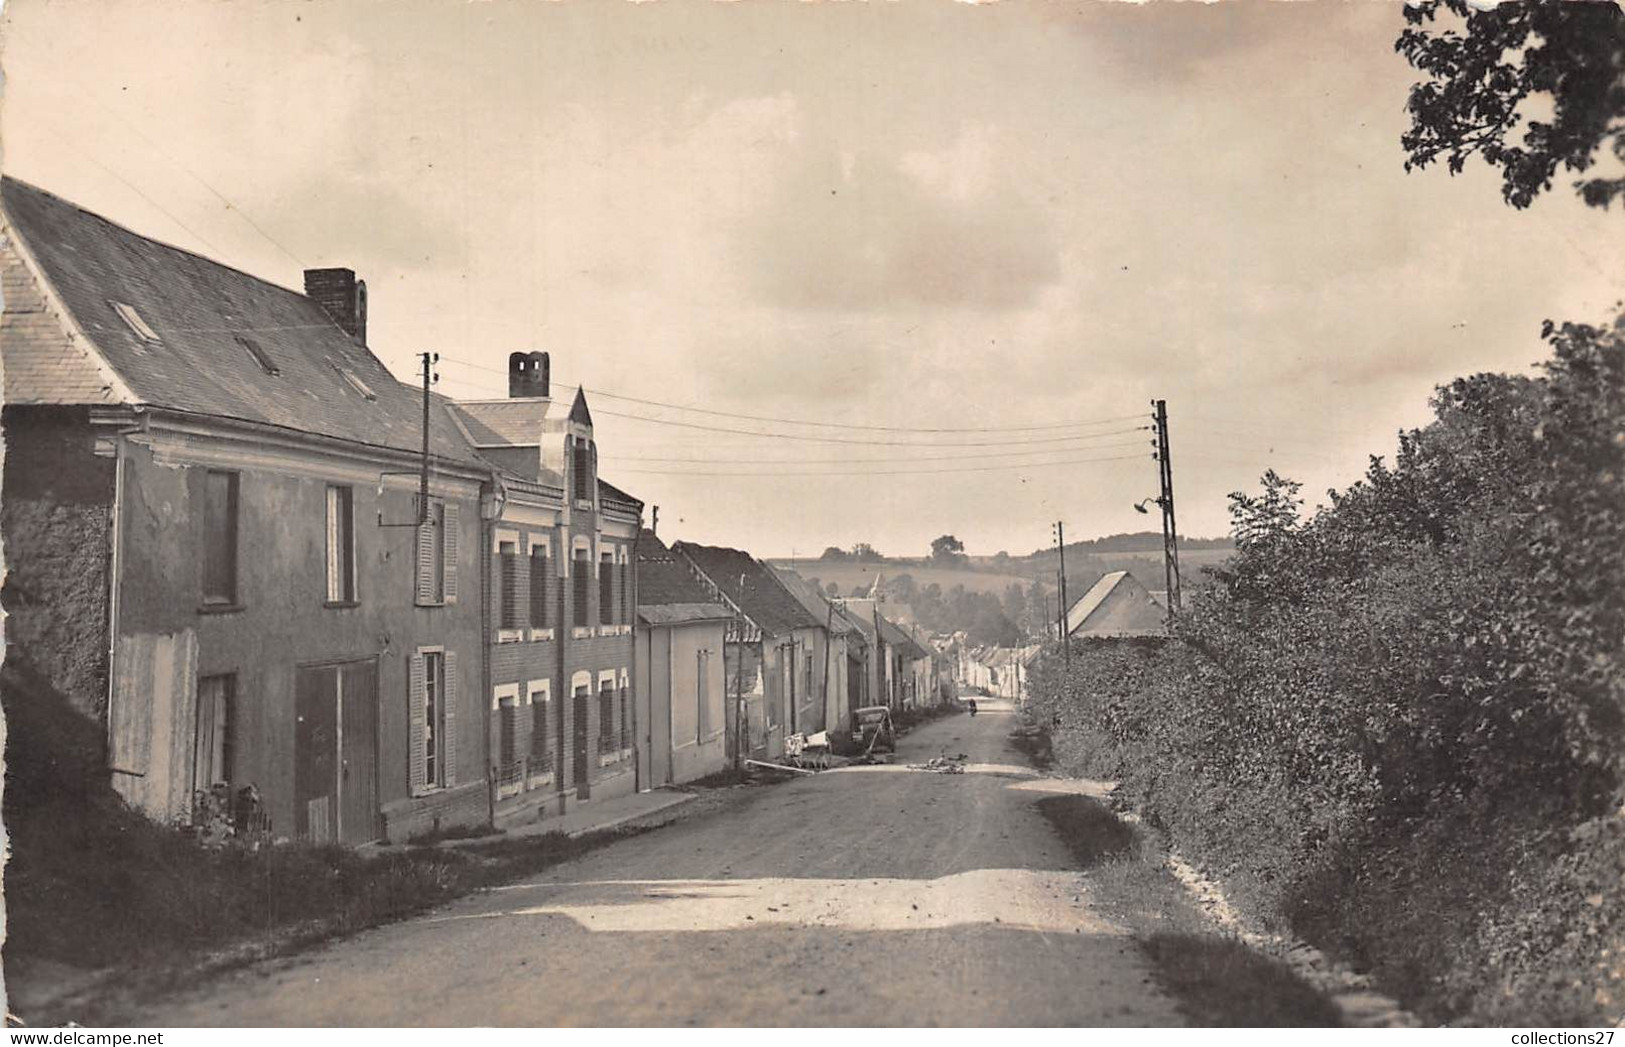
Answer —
(430, 603)
(540, 634)
(537, 781)
(219, 608)
(581, 632)
(613, 756)
(510, 635)
(584, 503)
(340, 605)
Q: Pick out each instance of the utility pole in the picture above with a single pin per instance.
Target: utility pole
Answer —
(1170, 532)
(1060, 630)
(654, 524)
(429, 378)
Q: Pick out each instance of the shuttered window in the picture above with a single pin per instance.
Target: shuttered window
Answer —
(541, 753)
(624, 573)
(606, 589)
(626, 718)
(608, 740)
(581, 467)
(582, 587)
(220, 538)
(432, 748)
(702, 691)
(340, 545)
(437, 551)
(508, 584)
(539, 575)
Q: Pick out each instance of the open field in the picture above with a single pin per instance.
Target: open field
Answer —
(1081, 570)
(853, 575)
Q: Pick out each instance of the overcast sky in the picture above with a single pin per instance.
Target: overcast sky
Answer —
(921, 215)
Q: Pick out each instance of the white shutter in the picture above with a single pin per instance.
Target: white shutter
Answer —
(425, 562)
(452, 523)
(416, 722)
(448, 700)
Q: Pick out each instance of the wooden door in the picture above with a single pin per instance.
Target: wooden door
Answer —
(316, 754)
(358, 765)
(581, 702)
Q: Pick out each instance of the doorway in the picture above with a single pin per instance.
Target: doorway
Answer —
(336, 753)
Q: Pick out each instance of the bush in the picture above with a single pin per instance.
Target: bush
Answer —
(1398, 725)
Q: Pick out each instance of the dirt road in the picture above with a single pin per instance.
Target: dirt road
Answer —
(866, 896)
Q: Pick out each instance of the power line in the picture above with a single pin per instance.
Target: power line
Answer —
(891, 472)
(825, 425)
(855, 461)
(868, 442)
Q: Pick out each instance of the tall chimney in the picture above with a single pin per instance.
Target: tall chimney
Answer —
(342, 297)
(528, 376)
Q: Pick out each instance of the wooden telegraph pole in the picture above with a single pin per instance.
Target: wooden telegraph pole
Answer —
(1170, 531)
(1060, 629)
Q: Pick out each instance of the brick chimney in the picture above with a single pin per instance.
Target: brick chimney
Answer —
(528, 376)
(342, 297)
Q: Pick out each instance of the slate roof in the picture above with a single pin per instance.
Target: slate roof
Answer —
(812, 600)
(504, 423)
(752, 585)
(668, 589)
(198, 309)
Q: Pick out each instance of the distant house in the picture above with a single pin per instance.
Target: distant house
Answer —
(769, 660)
(1117, 606)
(833, 647)
(560, 601)
(680, 677)
(219, 565)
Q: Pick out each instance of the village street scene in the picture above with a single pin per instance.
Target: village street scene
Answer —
(990, 515)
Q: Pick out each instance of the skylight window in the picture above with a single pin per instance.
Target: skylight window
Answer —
(135, 323)
(260, 356)
(355, 383)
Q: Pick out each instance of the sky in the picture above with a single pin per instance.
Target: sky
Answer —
(972, 242)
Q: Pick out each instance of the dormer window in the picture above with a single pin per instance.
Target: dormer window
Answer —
(582, 469)
(132, 319)
(355, 383)
(252, 348)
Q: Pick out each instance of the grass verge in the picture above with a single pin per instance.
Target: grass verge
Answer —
(1216, 979)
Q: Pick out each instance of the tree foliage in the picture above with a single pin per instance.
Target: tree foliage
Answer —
(1490, 72)
(947, 549)
(1399, 721)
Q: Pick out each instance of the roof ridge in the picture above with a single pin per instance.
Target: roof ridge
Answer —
(31, 187)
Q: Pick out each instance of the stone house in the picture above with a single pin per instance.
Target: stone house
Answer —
(220, 566)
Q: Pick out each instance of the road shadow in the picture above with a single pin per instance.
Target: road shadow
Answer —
(1091, 832)
(1221, 982)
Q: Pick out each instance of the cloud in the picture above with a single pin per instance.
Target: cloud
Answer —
(871, 229)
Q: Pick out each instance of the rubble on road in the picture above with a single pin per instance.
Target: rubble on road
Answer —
(943, 764)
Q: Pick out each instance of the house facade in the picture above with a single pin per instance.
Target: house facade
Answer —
(220, 562)
(558, 559)
(679, 676)
(833, 649)
(1117, 605)
(770, 651)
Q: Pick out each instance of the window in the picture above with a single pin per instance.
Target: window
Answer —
(433, 747)
(539, 573)
(212, 756)
(253, 349)
(626, 717)
(608, 739)
(508, 582)
(581, 468)
(606, 588)
(434, 717)
(355, 383)
(132, 319)
(220, 538)
(541, 754)
(510, 769)
(625, 569)
(340, 545)
(438, 540)
(702, 692)
(582, 586)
